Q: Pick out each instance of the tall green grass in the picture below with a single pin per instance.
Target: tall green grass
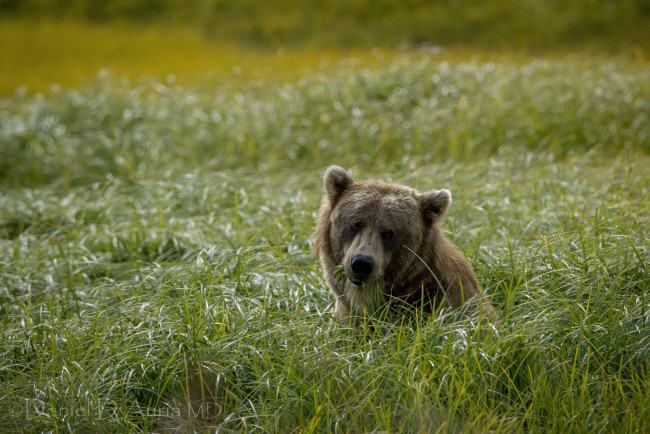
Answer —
(156, 267)
(411, 111)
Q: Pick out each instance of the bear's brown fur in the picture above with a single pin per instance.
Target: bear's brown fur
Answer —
(385, 237)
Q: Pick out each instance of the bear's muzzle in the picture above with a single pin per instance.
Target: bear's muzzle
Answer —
(362, 266)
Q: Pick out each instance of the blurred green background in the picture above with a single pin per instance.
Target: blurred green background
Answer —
(521, 24)
(65, 42)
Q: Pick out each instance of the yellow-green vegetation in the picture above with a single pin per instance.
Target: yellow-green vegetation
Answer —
(612, 25)
(41, 55)
(46, 42)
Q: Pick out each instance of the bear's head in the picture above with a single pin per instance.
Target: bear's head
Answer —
(375, 230)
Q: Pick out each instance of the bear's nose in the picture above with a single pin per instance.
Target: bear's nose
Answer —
(362, 265)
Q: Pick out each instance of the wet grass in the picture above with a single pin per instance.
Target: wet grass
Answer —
(156, 267)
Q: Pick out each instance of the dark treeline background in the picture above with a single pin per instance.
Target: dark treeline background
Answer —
(607, 25)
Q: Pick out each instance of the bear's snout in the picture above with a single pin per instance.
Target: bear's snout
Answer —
(362, 266)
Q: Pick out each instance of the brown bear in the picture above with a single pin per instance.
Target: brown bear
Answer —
(380, 245)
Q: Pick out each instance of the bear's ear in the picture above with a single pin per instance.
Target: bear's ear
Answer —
(434, 203)
(337, 180)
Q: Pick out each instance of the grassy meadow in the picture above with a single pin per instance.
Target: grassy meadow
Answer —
(156, 271)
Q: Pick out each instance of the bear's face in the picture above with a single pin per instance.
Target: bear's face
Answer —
(376, 230)
(372, 227)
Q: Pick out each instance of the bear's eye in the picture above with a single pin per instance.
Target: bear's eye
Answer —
(356, 226)
(387, 234)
